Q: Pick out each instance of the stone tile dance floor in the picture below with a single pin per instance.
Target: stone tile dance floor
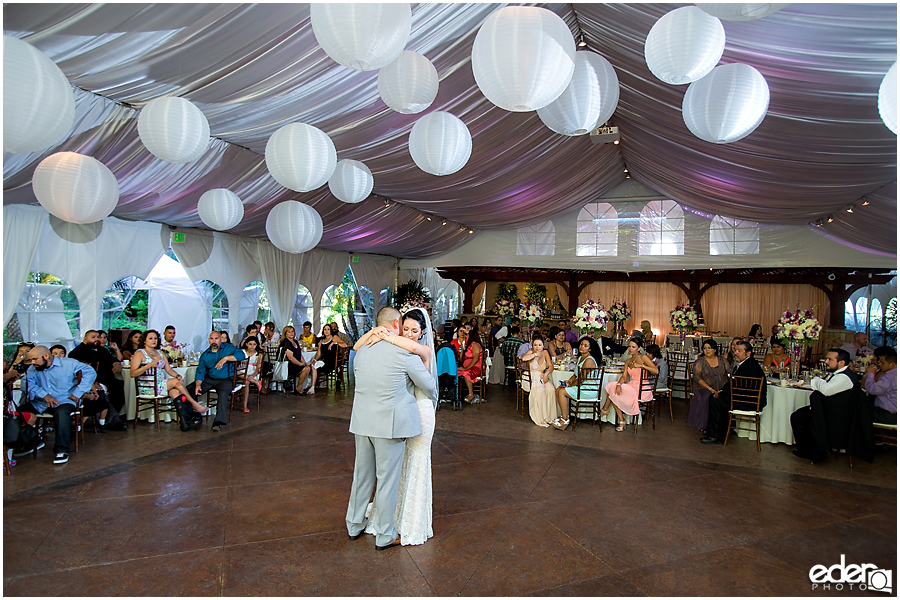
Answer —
(258, 510)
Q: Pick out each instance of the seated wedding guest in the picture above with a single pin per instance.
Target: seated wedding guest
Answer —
(858, 347)
(458, 342)
(259, 327)
(270, 336)
(729, 356)
(744, 366)
(814, 437)
(558, 347)
(308, 336)
(168, 382)
(486, 325)
(542, 397)
(132, 343)
(509, 348)
(470, 368)
(54, 388)
(289, 350)
(881, 384)
(571, 336)
(624, 394)
(224, 338)
(19, 364)
(455, 324)
(335, 330)
(254, 364)
(59, 351)
(777, 360)
(496, 328)
(90, 352)
(609, 348)
(327, 349)
(168, 341)
(589, 357)
(655, 354)
(756, 331)
(110, 347)
(646, 330)
(214, 373)
(710, 374)
(251, 331)
(473, 323)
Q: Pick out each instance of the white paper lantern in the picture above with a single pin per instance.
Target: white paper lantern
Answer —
(300, 157)
(352, 181)
(726, 105)
(294, 227)
(363, 36)
(173, 129)
(440, 143)
(75, 188)
(220, 209)
(887, 99)
(740, 12)
(684, 45)
(591, 95)
(38, 102)
(523, 58)
(409, 84)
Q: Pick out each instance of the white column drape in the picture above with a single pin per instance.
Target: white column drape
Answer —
(320, 269)
(375, 272)
(21, 234)
(281, 276)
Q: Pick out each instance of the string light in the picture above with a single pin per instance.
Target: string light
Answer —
(850, 208)
(427, 217)
(444, 222)
(830, 218)
(865, 200)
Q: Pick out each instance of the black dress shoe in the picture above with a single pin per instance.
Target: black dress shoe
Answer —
(101, 427)
(799, 454)
(396, 542)
(117, 426)
(710, 440)
(357, 536)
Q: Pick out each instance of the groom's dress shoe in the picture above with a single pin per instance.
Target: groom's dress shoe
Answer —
(396, 542)
(356, 537)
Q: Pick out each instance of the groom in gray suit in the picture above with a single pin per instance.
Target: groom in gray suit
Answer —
(384, 415)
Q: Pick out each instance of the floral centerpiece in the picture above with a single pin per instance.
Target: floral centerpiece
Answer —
(798, 327)
(533, 312)
(173, 351)
(504, 308)
(684, 318)
(411, 304)
(618, 311)
(591, 318)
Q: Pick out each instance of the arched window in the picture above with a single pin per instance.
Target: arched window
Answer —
(125, 304)
(385, 297)
(538, 240)
(302, 311)
(368, 302)
(343, 305)
(661, 229)
(862, 313)
(733, 236)
(214, 297)
(598, 230)
(47, 313)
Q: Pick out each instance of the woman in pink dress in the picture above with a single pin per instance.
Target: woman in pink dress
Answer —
(624, 396)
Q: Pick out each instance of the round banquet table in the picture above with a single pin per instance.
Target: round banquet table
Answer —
(559, 375)
(187, 373)
(775, 421)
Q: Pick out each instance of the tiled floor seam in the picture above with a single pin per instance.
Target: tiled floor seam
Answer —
(116, 562)
(486, 554)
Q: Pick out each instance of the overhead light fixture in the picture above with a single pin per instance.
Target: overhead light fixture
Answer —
(850, 208)
(444, 222)
(605, 135)
(626, 170)
(627, 175)
(387, 202)
(462, 227)
(427, 217)
(830, 218)
(471, 231)
(865, 200)
(581, 41)
(616, 142)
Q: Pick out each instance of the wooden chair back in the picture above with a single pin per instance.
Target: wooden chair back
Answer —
(759, 349)
(590, 381)
(746, 392)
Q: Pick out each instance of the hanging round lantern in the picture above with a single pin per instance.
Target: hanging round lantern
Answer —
(294, 227)
(300, 157)
(887, 99)
(362, 36)
(440, 143)
(726, 105)
(220, 209)
(523, 58)
(594, 89)
(351, 182)
(740, 12)
(684, 45)
(409, 84)
(38, 101)
(75, 188)
(173, 129)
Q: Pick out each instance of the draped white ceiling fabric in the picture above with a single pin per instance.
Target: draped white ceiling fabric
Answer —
(252, 68)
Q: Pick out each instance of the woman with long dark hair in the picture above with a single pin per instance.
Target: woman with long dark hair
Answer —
(710, 375)
(168, 382)
(589, 357)
(623, 396)
(132, 343)
(470, 368)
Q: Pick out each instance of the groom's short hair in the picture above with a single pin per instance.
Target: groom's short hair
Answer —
(387, 316)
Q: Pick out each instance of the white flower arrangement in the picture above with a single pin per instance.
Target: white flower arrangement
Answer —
(591, 317)
(504, 308)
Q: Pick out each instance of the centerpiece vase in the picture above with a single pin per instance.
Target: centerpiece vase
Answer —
(682, 333)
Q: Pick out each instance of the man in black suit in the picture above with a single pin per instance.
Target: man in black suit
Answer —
(744, 366)
(825, 424)
(608, 347)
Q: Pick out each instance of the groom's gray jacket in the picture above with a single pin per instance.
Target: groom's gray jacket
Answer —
(384, 404)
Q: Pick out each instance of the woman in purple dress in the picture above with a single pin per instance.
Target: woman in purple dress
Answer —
(710, 374)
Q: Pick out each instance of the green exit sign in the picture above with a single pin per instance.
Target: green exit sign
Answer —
(356, 259)
(177, 237)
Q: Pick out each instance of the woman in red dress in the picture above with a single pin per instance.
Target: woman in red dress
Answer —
(470, 368)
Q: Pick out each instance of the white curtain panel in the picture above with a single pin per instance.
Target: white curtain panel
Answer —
(321, 268)
(175, 300)
(375, 272)
(21, 233)
(281, 276)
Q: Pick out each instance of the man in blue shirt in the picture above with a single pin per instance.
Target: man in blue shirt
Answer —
(54, 389)
(214, 372)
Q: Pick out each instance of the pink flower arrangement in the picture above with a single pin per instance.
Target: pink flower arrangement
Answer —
(591, 317)
(800, 326)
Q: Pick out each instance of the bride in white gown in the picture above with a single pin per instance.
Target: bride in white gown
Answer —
(413, 514)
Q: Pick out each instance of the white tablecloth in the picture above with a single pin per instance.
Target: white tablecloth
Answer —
(187, 373)
(775, 421)
(560, 375)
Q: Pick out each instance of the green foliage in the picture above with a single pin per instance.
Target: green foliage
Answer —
(890, 317)
(411, 290)
(536, 293)
(507, 291)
